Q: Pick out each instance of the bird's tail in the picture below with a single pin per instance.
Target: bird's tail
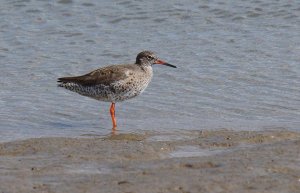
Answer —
(66, 79)
(62, 82)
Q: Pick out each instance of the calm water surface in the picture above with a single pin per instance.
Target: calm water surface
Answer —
(238, 64)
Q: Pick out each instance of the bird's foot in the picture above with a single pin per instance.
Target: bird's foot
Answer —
(114, 130)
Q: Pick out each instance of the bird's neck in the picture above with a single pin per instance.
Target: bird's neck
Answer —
(147, 69)
(145, 66)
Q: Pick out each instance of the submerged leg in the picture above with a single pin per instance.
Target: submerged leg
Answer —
(113, 116)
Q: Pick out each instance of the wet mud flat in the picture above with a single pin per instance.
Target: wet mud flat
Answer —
(181, 161)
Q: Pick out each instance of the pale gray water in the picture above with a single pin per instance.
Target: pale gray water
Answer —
(238, 64)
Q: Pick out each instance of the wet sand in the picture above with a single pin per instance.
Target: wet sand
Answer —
(182, 161)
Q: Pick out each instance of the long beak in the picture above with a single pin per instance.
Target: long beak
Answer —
(164, 63)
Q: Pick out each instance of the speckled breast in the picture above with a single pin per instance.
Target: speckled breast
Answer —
(128, 88)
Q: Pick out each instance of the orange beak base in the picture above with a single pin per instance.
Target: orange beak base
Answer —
(164, 63)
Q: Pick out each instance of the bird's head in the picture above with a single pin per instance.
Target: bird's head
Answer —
(148, 58)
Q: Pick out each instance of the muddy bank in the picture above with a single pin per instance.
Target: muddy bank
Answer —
(189, 161)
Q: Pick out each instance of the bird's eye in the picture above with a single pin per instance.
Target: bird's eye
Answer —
(149, 57)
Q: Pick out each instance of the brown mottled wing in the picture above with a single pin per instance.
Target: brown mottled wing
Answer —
(104, 76)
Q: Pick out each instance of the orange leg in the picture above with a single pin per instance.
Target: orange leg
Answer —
(113, 116)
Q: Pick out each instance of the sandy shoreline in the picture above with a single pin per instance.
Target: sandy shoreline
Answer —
(191, 161)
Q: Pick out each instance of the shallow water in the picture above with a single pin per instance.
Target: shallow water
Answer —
(238, 65)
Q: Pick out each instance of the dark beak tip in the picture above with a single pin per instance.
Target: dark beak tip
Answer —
(170, 65)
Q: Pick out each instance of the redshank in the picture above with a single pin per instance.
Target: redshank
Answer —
(115, 83)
